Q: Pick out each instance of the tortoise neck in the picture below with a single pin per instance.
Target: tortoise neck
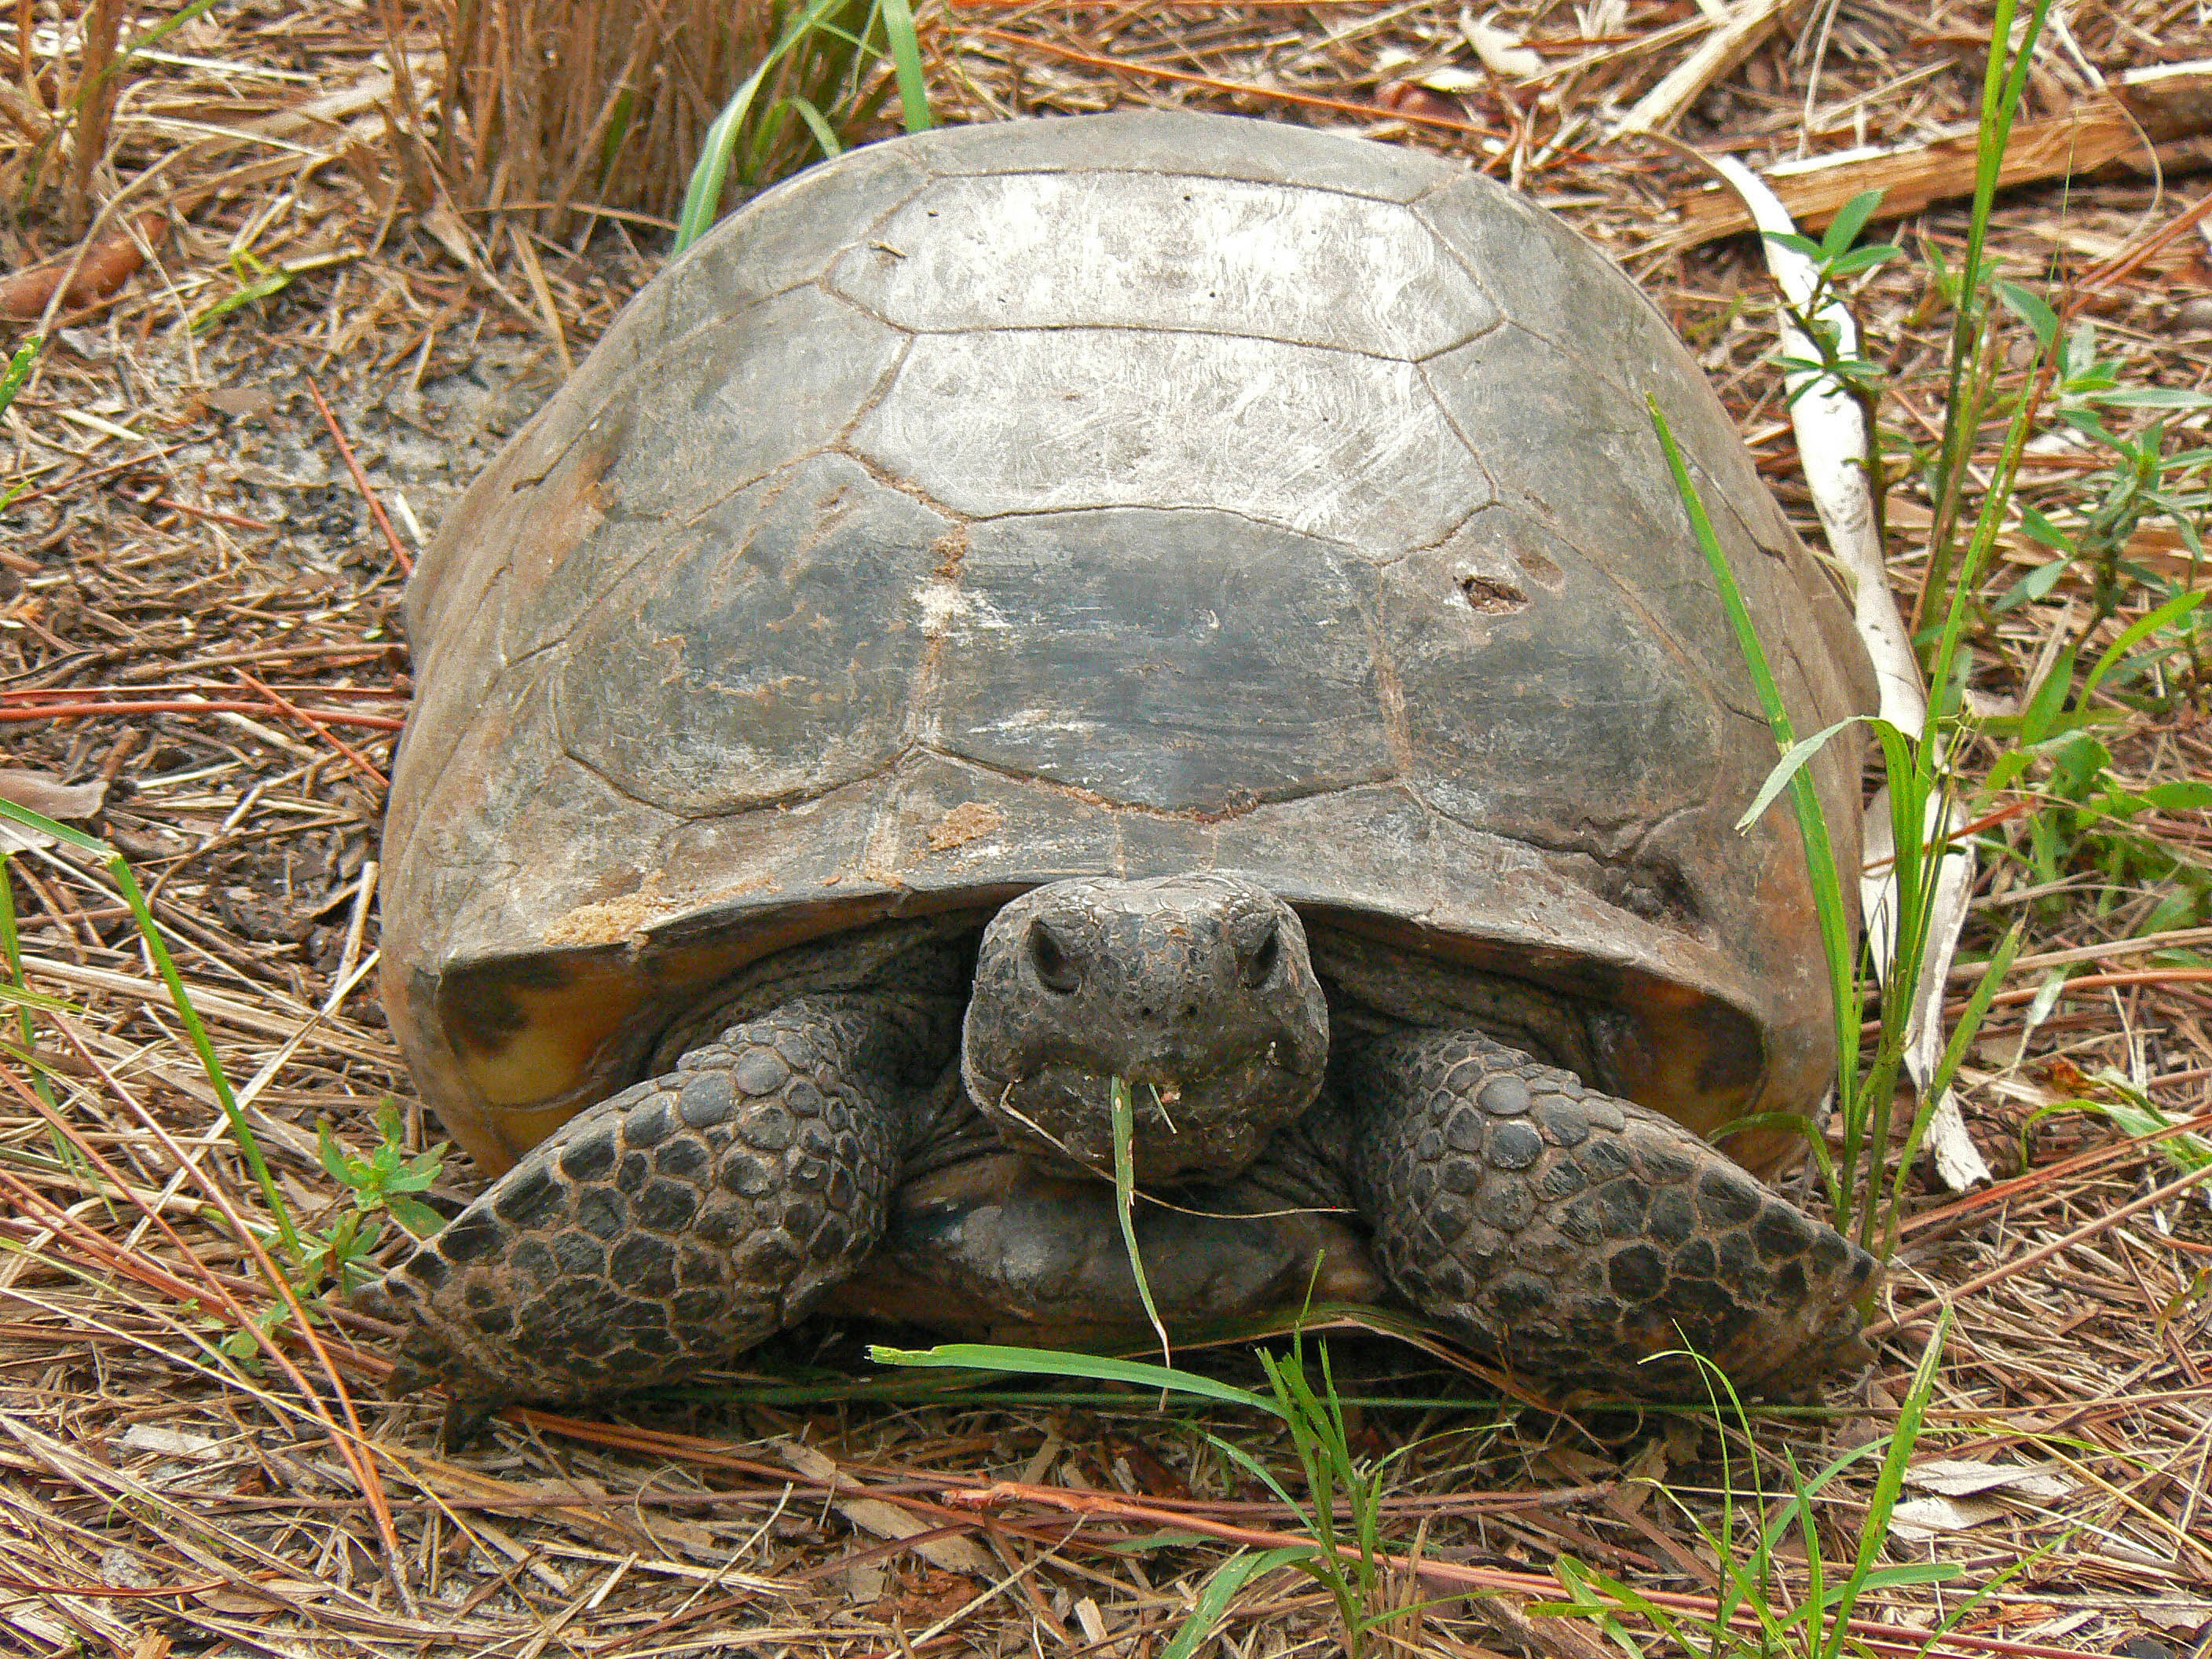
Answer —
(1374, 987)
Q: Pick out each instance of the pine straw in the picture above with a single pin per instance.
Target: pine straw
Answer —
(191, 539)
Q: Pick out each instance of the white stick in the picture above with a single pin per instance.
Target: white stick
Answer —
(1834, 446)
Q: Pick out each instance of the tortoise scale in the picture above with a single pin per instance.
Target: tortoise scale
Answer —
(1155, 596)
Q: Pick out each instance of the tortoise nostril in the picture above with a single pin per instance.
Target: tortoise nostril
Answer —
(1259, 963)
(1055, 969)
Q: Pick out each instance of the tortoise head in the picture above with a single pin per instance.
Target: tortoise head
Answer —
(1195, 990)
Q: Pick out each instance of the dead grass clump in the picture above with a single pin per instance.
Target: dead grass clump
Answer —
(551, 104)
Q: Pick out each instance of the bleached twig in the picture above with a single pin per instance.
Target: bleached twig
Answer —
(1834, 446)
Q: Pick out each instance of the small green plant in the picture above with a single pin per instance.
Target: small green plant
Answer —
(11, 382)
(2133, 1115)
(1345, 1556)
(1756, 1612)
(382, 1184)
(816, 75)
(1833, 258)
(2089, 816)
(2144, 482)
(257, 280)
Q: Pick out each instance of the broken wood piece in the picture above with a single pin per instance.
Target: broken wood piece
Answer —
(105, 267)
(1749, 24)
(2144, 108)
(887, 1520)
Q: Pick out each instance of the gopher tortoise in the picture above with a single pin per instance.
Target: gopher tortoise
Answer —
(1160, 597)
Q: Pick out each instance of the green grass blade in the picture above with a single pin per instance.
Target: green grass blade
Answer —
(1230, 1576)
(163, 29)
(2004, 80)
(22, 996)
(1787, 768)
(1939, 1085)
(1050, 1362)
(809, 25)
(1125, 1202)
(1819, 855)
(1977, 1005)
(905, 64)
(196, 1030)
(1888, 1483)
(1259, 1472)
(127, 884)
(703, 196)
(816, 124)
(60, 832)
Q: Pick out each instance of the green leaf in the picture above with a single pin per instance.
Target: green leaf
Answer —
(2051, 535)
(2076, 768)
(2035, 720)
(2184, 795)
(2032, 309)
(1795, 757)
(1794, 242)
(2034, 586)
(341, 1168)
(418, 1218)
(2156, 397)
(1850, 219)
(2142, 629)
(1864, 259)
(19, 370)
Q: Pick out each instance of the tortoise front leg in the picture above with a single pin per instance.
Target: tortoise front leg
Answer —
(677, 1224)
(1575, 1236)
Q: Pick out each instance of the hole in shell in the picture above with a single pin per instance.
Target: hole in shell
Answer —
(1492, 596)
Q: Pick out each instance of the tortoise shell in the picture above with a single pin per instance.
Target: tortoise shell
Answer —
(1120, 494)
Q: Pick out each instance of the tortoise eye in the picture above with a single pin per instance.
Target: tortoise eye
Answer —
(1259, 965)
(1055, 969)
